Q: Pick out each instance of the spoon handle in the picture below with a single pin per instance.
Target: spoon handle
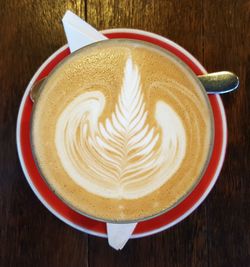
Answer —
(219, 82)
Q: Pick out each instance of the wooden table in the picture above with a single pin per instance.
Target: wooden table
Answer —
(218, 232)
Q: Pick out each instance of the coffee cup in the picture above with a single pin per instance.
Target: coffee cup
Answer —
(122, 130)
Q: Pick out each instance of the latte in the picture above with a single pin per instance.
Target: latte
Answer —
(121, 130)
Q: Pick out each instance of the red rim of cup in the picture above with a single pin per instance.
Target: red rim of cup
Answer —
(90, 226)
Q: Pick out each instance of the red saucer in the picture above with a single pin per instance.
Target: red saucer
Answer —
(90, 226)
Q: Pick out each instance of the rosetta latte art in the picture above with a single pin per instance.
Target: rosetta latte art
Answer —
(122, 158)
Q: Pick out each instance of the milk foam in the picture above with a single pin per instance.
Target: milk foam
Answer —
(124, 157)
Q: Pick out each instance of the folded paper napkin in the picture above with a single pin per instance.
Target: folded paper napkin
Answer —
(79, 34)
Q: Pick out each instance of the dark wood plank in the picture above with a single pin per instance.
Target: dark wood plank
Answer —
(218, 233)
(185, 244)
(176, 20)
(226, 46)
(29, 234)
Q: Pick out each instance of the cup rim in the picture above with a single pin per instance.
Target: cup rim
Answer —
(211, 143)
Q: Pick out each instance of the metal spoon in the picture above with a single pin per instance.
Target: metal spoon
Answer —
(214, 83)
(35, 89)
(219, 82)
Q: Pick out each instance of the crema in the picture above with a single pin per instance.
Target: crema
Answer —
(122, 130)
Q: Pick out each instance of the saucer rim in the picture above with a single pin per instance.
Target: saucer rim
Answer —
(146, 233)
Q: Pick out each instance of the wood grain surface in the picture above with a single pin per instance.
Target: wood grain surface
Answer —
(217, 234)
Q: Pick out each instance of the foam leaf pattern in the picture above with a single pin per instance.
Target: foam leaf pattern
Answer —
(124, 157)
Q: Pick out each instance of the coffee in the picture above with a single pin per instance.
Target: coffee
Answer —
(122, 130)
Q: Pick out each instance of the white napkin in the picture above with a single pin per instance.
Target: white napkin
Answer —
(79, 34)
(119, 234)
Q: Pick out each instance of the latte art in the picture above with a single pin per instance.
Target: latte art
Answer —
(121, 130)
(123, 157)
